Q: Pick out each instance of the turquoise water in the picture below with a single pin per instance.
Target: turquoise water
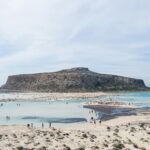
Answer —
(140, 99)
(38, 112)
(61, 112)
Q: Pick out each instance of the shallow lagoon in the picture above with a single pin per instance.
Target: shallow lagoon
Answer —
(140, 99)
(47, 111)
(60, 112)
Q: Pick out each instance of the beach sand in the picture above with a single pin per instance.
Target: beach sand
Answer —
(49, 96)
(126, 132)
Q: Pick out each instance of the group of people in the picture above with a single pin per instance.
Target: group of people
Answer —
(93, 120)
(42, 125)
(18, 104)
(99, 116)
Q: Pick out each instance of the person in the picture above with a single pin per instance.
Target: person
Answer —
(50, 124)
(100, 121)
(7, 118)
(28, 125)
(31, 125)
(92, 119)
(42, 125)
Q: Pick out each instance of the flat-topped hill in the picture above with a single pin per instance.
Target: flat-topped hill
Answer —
(72, 80)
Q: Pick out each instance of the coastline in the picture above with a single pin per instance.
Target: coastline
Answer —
(107, 106)
(119, 132)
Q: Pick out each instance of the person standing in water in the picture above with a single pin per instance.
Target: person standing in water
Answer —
(50, 124)
(31, 125)
(42, 125)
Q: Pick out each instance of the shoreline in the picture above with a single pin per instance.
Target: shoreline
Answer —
(116, 133)
(49, 96)
(108, 107)
(131, 132)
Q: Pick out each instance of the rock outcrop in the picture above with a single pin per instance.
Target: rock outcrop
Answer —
(72, 80)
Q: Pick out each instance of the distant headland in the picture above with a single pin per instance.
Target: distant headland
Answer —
(72, 80)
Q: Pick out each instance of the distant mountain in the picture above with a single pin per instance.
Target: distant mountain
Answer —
(72, 80)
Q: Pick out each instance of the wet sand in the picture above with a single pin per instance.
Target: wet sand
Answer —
(111, 109)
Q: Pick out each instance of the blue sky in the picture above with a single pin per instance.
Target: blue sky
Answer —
(108, 36)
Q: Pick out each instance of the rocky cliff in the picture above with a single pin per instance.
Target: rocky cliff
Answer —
(72, 80)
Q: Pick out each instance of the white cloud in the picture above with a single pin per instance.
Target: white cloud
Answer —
(46, 35)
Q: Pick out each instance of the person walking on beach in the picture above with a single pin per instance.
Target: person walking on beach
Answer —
(100, 121)
(28, 125)
(94, 121)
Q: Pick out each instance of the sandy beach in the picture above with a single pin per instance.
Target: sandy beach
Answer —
(49, 96)
(120, 133)
(128, 132)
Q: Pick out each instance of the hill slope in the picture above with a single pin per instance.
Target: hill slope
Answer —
(72, 80)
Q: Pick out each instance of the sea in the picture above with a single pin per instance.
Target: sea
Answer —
(59, 113)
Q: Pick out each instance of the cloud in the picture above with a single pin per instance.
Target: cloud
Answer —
(106, 36)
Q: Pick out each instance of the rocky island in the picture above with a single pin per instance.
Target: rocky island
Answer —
(72, 80)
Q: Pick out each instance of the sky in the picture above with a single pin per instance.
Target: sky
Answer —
(107, 36)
